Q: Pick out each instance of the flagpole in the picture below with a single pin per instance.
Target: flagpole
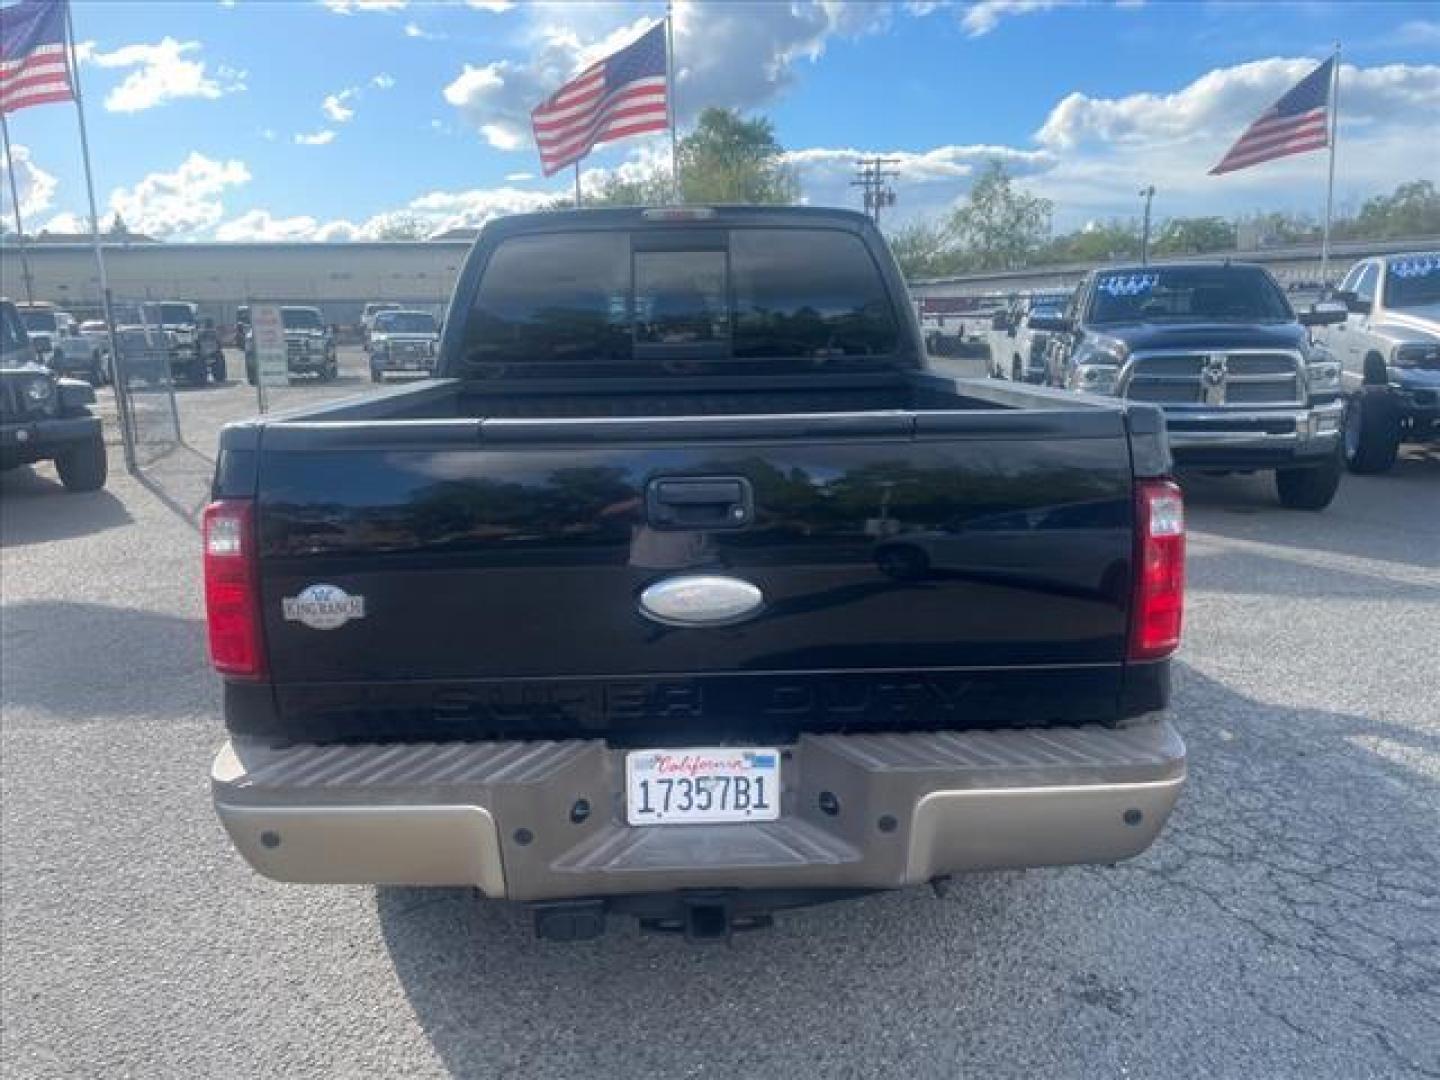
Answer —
(15, 201)
(670, 99)
(1330, 185)
(577, 185)
(121, 394)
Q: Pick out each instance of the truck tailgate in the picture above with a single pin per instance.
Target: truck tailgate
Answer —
(911, 567)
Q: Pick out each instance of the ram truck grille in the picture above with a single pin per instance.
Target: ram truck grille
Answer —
(1216, 378)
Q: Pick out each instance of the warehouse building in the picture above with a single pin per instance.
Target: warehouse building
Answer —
(338, 278)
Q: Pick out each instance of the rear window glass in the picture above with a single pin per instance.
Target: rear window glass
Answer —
(769, 295)
(299, 318)
(405, 322)
(809, 293)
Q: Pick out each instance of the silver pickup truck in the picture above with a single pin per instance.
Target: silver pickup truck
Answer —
(1389, 350)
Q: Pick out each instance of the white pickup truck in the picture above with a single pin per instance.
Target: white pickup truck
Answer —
(1389, 350)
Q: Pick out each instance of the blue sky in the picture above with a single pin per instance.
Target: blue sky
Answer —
(316, 120)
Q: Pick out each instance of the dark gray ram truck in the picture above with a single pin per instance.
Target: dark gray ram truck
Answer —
(685, 591)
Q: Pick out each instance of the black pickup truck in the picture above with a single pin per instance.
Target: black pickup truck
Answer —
(1219, 348)
(686, 592)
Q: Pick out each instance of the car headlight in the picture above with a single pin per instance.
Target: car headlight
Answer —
(1324, 377)
(1417, 355)
(1094, 378)
(39, 391)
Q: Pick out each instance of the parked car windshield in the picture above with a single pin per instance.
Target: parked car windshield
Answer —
(40, 320)
(1187, 294)
(170, 314)
(779, 296)
(405, 322)
(1413, 281)
(300, 318)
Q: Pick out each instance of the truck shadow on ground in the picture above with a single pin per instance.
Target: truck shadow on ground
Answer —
(35, 508)
(80, 661)
(1261, 857)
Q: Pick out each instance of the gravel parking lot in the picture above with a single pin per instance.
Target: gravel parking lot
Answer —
(1286, 924)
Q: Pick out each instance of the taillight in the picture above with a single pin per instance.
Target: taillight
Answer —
(232, 589)
(1159, 570)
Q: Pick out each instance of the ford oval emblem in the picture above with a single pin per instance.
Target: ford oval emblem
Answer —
(701, 600)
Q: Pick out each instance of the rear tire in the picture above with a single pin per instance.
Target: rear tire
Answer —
(84, 466)
(197, 374)
(1371, 430)
(217, 367)
(1017, 371)
(1311, 488)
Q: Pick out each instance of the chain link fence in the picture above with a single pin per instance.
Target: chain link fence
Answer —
(143, 374)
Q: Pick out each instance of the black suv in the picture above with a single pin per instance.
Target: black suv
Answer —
(43, 417)
(1219, 348)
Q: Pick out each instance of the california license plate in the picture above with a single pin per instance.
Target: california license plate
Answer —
(702, 786)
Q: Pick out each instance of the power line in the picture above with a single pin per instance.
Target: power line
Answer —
(873, 175)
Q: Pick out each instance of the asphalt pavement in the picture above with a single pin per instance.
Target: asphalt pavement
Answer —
(1286, 924)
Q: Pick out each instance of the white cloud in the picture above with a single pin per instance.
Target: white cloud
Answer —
(1417, 32)
(350, 7)
(180, 203)
(518, 177)
(470, 209)
(494, 6)
(1093, 154)
(733, 55)
(929, 181)
(979, 19)
(336, 106)
(438, 210)
(383, 81)
(318, 138)
(65, 223)
(415, 30)
(1105, 148)
(264, 226)
(36, 188)
(164, 71)
(261, 225)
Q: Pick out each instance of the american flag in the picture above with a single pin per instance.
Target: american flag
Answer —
(624, 94)
(34, 68)
(1298, 122)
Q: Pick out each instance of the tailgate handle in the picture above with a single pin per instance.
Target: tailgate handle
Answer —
(708, 502)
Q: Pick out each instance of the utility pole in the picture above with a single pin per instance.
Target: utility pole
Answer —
(1149, 192)
(874, 176)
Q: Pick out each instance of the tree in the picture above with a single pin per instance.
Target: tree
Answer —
(1000, 227)
(728, 159)
(923, 249)
(1413, 209)
(402, 225)
(1188, 236)
(1098, 241)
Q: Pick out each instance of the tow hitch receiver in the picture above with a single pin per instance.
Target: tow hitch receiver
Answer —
(706, 915)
